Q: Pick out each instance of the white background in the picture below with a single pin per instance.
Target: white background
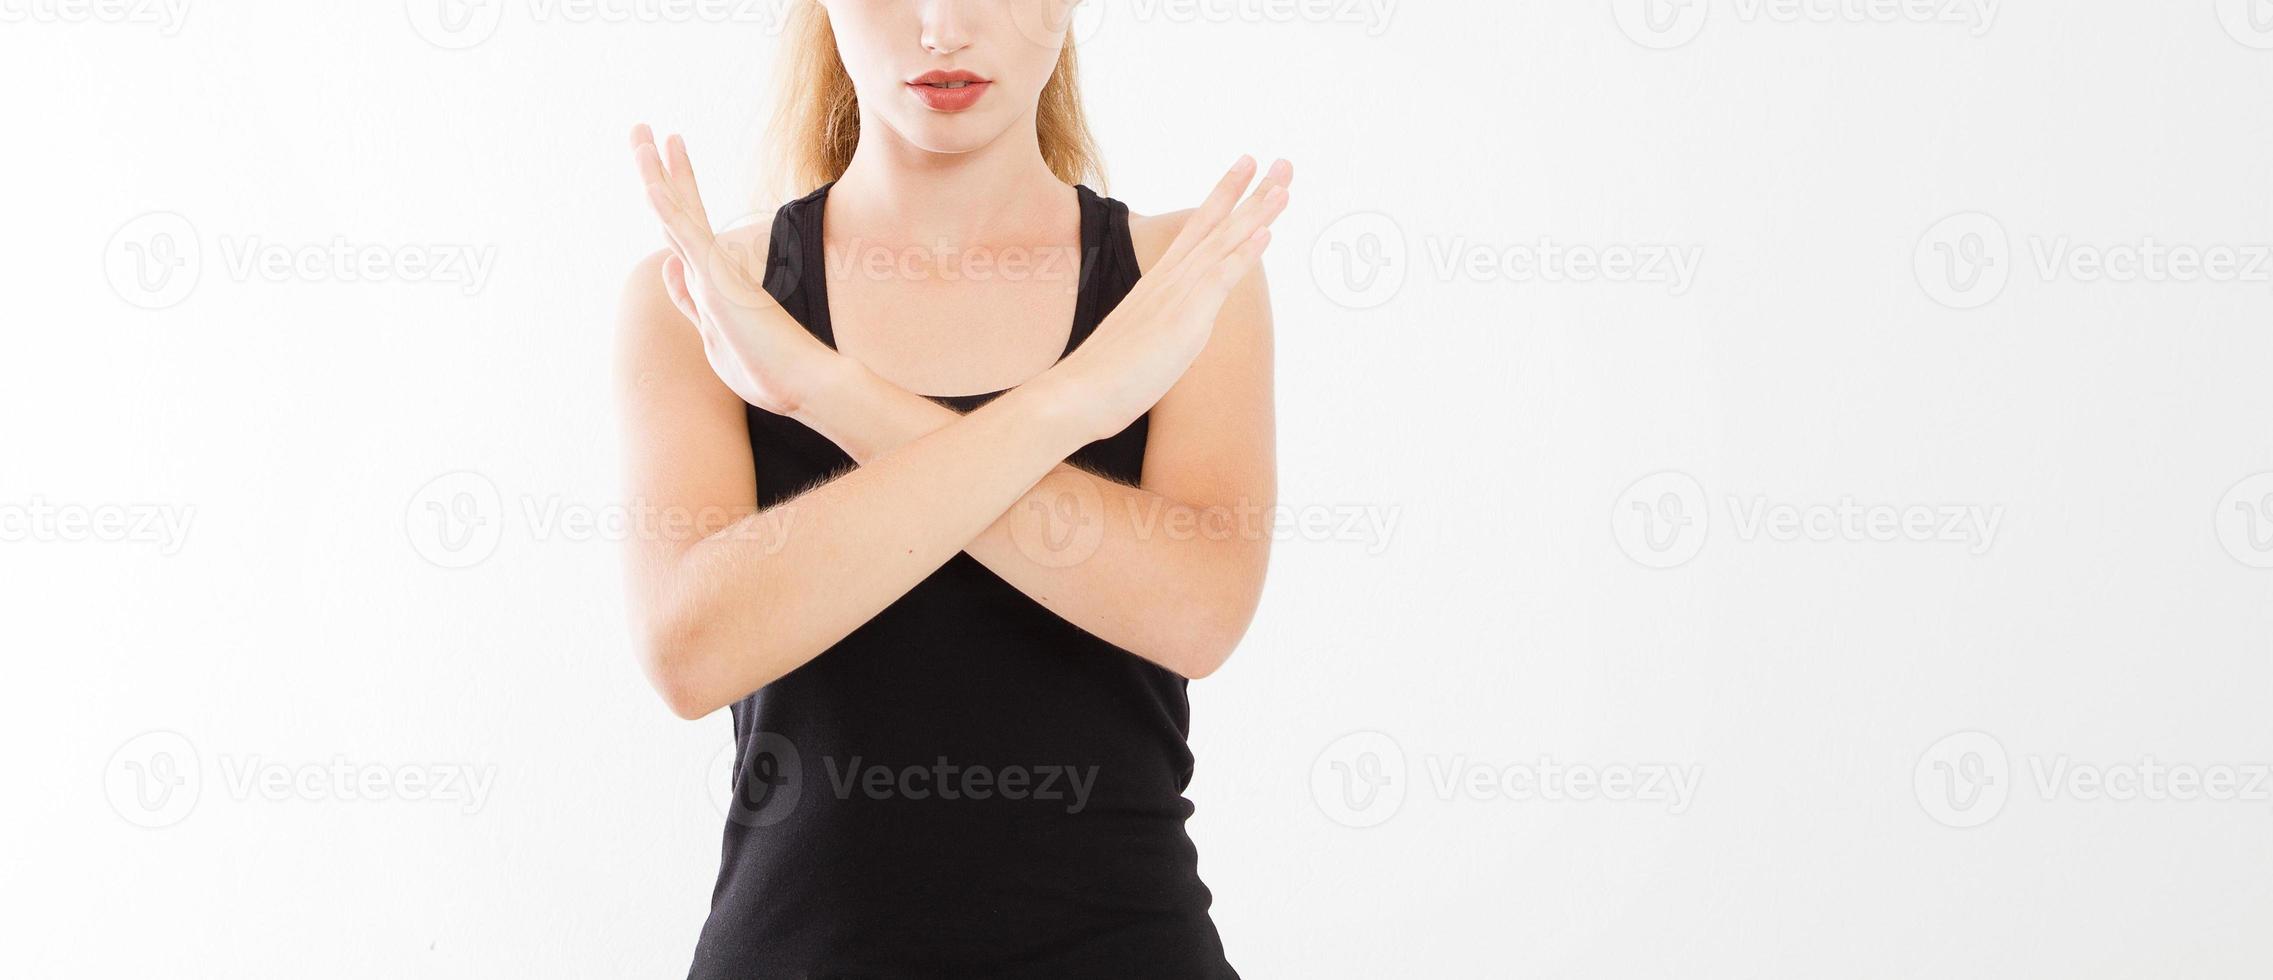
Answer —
(1502, 613)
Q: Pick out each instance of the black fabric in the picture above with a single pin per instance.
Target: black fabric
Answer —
(843, 856)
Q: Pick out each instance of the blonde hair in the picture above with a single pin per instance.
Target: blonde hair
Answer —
(816, 123)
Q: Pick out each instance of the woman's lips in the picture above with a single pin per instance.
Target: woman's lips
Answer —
(936, 93)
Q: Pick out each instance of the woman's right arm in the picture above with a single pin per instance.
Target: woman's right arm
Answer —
(726, 597)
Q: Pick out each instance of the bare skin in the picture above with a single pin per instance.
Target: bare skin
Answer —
(742, 597)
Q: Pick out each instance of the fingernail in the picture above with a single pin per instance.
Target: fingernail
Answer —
(1280, 169)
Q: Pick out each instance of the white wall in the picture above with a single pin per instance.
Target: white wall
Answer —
(1491, 422)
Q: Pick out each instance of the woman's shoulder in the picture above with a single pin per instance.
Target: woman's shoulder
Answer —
(1151, 234)
(749, 241)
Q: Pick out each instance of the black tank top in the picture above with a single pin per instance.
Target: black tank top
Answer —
(967, 785)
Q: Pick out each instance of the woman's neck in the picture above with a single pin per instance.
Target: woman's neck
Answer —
(895, 190)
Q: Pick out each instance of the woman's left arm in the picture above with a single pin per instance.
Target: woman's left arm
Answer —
(1172, 570)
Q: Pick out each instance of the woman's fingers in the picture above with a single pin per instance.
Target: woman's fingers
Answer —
(1210, 212)
(683, 186)
(1232, 227)
(643, 153)
(1241, 261)
(688, 233)
(1232, 234)
(675, 284)
(1258, 211)
(688, 228)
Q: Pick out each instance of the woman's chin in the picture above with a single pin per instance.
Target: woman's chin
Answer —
(949, 137)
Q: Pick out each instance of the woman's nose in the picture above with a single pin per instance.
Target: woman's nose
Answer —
(946, 26)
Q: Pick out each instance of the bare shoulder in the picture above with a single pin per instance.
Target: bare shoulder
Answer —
(647, 313)
(1153, 233)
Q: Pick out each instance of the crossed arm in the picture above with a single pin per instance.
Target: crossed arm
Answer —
(738, 597)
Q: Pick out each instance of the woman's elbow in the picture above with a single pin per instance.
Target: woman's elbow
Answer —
(688, 702)
(1202, 667)
(675, 668)
(1200, 651)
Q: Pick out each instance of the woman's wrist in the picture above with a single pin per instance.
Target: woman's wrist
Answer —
(824, 383)
(1061, 401)
(845, 402)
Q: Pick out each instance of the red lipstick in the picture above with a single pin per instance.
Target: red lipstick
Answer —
(949, 91)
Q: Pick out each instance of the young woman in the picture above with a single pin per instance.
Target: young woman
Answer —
(968, 459)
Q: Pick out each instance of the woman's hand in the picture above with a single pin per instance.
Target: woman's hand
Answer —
(1148, 341)
(755, 346)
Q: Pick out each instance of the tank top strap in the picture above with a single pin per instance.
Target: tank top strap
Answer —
(795, 274)
(1108, 263)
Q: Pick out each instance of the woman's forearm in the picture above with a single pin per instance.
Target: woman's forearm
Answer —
(1164, 579)
(753, 602)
